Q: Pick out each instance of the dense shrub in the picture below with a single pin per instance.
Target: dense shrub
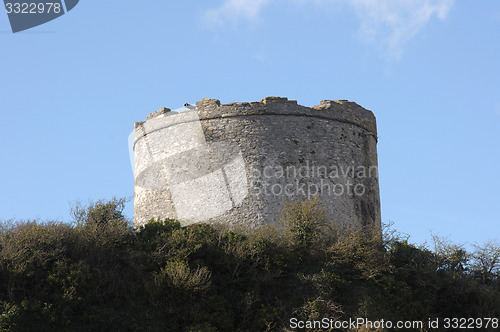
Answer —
(99, 274)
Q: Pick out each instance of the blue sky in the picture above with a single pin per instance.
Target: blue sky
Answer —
(71, 90)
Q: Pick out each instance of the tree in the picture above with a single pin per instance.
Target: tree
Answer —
(486, 260)
(100, 212)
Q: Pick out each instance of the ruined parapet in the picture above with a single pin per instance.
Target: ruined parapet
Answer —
(240, 162)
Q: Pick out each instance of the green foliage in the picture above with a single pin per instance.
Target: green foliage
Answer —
(303, 220)
(101, 275)
(156, 233)
(100, 213)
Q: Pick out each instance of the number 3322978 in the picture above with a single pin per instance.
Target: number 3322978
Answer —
(32, 8)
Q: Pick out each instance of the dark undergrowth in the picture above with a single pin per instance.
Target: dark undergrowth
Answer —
(98, 274)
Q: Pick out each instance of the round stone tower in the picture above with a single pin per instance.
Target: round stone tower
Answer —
(240, 162)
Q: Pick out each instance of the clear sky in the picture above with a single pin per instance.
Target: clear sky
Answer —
(71, 90)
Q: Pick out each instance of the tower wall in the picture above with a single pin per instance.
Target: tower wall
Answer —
(240, 162)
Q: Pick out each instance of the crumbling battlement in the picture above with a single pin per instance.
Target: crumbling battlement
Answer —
(337, 110)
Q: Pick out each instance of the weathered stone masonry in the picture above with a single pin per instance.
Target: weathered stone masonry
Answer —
(287, 152)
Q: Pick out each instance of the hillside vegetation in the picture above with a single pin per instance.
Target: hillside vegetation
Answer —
(98, 274)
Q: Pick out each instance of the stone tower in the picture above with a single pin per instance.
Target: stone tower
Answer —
(240, 162)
